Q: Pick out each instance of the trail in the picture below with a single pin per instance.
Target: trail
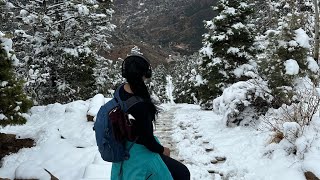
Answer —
(165, 129)
(189, 144)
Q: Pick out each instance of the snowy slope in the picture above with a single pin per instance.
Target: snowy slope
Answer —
(245, 149)
(65, 143)
(65, 146)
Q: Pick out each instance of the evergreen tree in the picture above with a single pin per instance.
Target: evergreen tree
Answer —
(286, 59)
(268, 13)
(108, 76)
(227, 47)
(186, 79)
(13, 101)
(158, 84)
(60, 40)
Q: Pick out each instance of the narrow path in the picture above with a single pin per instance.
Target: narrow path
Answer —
(164, 131)
(165, 128)
(178, 128)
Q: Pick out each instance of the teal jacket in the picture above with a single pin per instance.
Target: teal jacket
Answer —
(142, 164)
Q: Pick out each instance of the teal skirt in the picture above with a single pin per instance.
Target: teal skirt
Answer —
(142, 164)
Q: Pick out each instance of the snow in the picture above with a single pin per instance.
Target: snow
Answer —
(31, 170)
(291, 130)
(231, 96)
(95, 104)
(169, 89)
(83, 10)
(233, 50)
(66, 147)
(207, 50)
(7, 45)
(3, 117)
(243, 5)
(244, 148)
(291, 67)
(302, 38)
(220, 17)
(245, 69)
(71, 51)
(199, 80)
(230, 10)
(219, 37)
(23, 13)
(136, 50)
(65, 142)
(312, 65)
(4, 83)
(293, 43)
(238, 25)
(210, 25)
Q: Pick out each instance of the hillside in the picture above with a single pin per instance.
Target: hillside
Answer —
(159, 28)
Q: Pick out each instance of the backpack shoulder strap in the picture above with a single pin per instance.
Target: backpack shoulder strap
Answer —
(131, 101)
(126, 105)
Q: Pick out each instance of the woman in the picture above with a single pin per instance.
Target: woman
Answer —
(148, 158)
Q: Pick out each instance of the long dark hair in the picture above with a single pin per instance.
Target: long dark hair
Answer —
(134, 68)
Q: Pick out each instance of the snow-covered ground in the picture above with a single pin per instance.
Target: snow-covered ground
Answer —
(65, 146)
(245, 149)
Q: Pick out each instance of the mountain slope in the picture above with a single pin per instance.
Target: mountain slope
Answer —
(160, 27)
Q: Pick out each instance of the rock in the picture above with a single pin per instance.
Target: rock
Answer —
(214, 161)
(89, 118)
(211, 171)
(10, 144)
(310, 176)
(209, 149)
(219, 158)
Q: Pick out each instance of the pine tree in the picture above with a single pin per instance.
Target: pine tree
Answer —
(108, 76)
(226, 48)
(59, 40)
(288, 46)
(158, 84)
(13, 101)
(186, 79)
(267, 13)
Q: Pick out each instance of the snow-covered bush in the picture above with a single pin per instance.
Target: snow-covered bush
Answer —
(13, 101)
(243, 102)
(293, 121)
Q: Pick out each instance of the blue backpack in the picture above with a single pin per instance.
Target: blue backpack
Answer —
(110, 148)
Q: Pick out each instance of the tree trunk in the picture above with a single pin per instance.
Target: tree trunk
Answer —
(316, 38)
